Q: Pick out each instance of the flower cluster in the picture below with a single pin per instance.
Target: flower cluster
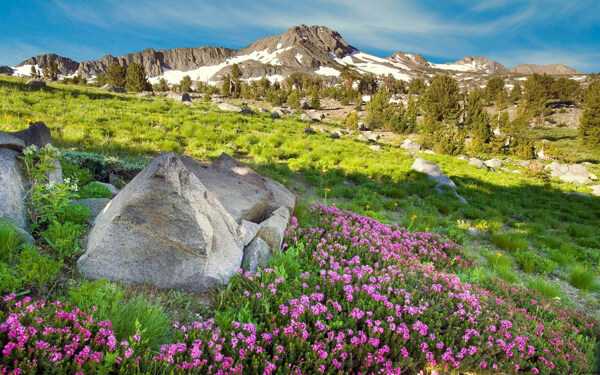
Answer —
(352, 295)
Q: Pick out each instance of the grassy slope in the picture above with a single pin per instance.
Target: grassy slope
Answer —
(378, 184)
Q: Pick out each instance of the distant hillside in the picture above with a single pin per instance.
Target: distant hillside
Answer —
(315, 50)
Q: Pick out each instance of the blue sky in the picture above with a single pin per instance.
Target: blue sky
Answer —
(509, 31)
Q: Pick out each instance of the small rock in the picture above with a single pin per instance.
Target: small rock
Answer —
(335, 135)
(144, 95)
(249, 229)
(477, 163)
(433, 172)
(407, 144)
(376, 148)
(38, 83)
(111, 88)
(362, 137)
(179, 96)
(305, 117)
(256, 254)
(233, 108)
(466, 158)
(430, 152)
(494, 163)
(272, 230)
(113, 190)
(309, 131)
(595, 190)
(274, 115)
(474, 232)
(362, 126)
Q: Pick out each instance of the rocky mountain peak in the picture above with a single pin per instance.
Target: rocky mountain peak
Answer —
(552, 69)
(66, 66)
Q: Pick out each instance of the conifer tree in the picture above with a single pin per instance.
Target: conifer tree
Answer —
(315, 101)
(162, 85)
(293, 99)
(516, 92)
(493, 88)
(236, 87)
(226, 88)
(34, 73)
(477, 120)
(101, 79)
(136, 80)
(441, 100)
(589, 123)
(417, 86)
(185, 85)
(116, 75)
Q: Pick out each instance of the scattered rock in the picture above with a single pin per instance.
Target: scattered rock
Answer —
(430, 152)
(409, 145)
(233, 108)
(272, 230)
(523, 163)
(37, 83)
(376, 148)
(180, 96)
(256, 254)
(144, 95)
(466, 158)
(362, 126)
(309, 131)
(593, 177)
(474, 232)
(362, 137)
(304, 104)
(433, 172)
(113, 190)
(167, 229)
(477, 163)
(494, 163)
(26, 236)
(95, 205)
(263, 110)
(595, 190)
(274, 115)
(305, 117)
(111, 88)
(573, 173)
(335, 135)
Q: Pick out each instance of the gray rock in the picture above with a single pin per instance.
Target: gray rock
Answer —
(477, 163)
(249, 229)
(243, 201)
(278, 195)
(523, 163)
(362, 126)
(95, 205)
(144, 95)
(39, 135)
(433, 172)
(12, 189)
(305, 117)
(263, 110)
(113, 190)
(335, 135)
(593, 177)
(595, 190)
(573, 173)
(474, 232)
(274, 115)
(430, 152)
(167, 229)
(362, 137)
(26, 237)
(376, 148)
(37, 83)
(111, 88)
(256, 254)
(409, 145)
(304, 104)
(466, 158)
(309, 131)
(494, 163)
(272, 230)
(179, 96)
(11, 142)
(233, 108)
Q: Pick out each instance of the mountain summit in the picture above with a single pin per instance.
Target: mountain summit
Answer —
(308, 49)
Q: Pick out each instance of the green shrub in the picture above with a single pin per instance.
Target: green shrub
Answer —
(532, 262)
(510, 241)
(95, 190)
(63, 238)
(111, 303)
(11, 280)
(73, 172)
(563, 256)
(583, 278)
(38, 270)
(10, 242)
(76, 213)
(547, 288)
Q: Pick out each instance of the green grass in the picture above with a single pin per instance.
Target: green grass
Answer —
(583, 278)
(10, 242)
(510, 241)
(547, 288)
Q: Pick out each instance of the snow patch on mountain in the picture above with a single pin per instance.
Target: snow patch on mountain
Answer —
(23, 71)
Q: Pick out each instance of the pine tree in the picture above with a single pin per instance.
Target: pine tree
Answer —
(502, 100)
(186, 84)
(293, 99)
(116, 75)
(136, 79)
(589, 123)
(226, 88)
(348, 74)
(101, 79)
(236, 74)
(315, 101)
(377, 110)
(417, 86)
(34, 72)
(516, 92)
(493, 87)
(53, 71)
(367, 84)
(162, 85)
(477, 120)
(441, 100)
(45, 72)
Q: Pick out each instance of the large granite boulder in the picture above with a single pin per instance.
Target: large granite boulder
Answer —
(12, 188)
(111, 88)
(39, 135)
(234, 108)
(37, 83)
(179, 96)
(476, 162)
(167, 229)
(574, 173)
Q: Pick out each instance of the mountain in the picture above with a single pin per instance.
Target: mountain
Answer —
(315, 50)
(552, 69)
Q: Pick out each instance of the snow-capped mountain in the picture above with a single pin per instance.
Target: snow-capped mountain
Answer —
(315, 50)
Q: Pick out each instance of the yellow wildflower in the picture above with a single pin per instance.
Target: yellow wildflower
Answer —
(426, 229)
(327, 189)
(499, 254)
(413, 217)
(284, 180)
(368, 206)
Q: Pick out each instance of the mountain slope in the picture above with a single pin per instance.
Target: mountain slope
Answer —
(552, 69)
(315, 50)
